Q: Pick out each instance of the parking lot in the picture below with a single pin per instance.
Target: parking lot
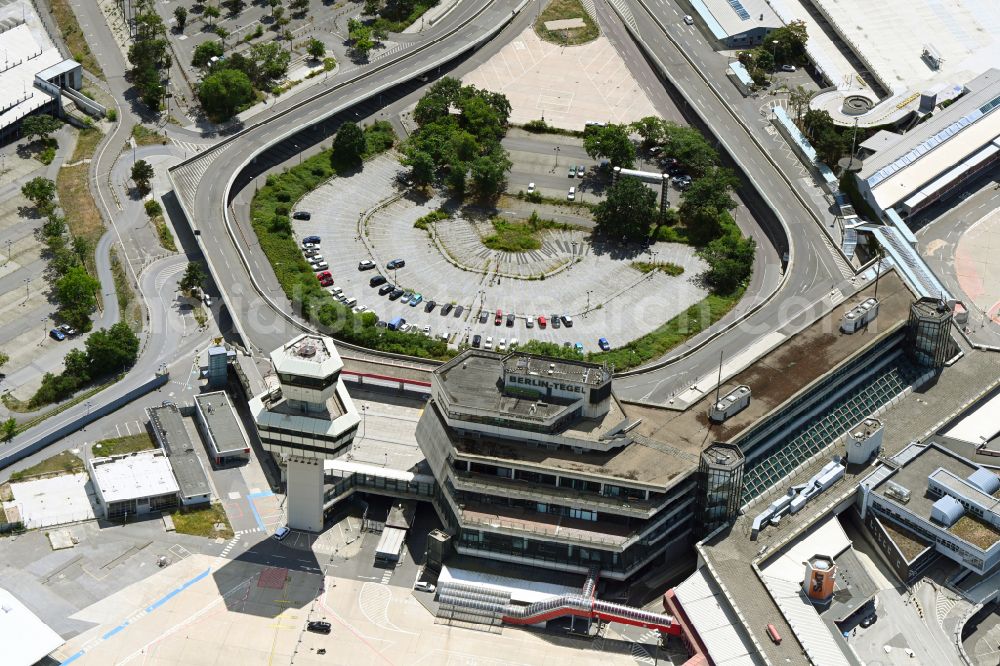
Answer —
(571, 275)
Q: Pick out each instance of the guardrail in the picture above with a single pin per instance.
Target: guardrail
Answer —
(293, 130)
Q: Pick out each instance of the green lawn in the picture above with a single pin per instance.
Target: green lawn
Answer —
(61, 463)
(566, 9)
(120, 445)
(512, 237)
(202, 522)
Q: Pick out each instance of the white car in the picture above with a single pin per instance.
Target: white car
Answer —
(688, 19)
(530, 321)
(502, 344)
(489, 342)
(788, 68)
(403, 328)
(281, 533)
(361, 308)
(421, 586)
(571, 195)
(427, 330)
(444, 335)
(531, 188)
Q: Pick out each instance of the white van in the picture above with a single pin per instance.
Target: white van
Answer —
(572, 194)
(351, 302)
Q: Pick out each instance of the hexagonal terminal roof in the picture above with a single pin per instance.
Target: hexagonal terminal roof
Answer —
(308, 355)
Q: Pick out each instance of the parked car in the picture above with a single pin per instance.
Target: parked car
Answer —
(385, 289)
(336, 292)
(477, 340)
(542, 321)
(396, 293)
(311, 239)
(281, 533)
(394, 264)
(310, 246)
(445, 309)
(309, 254)
(604, 344)
(498, 318)
(459, 309)
(869, 621)
(483, 316)
(57, 335)
(427, 330)
(319, 627)
(416, 299)
(407, 295)
(581, 171)
(489, 342)
(510, 320)
(578, 347)
(444, 335)
(571, 195)
(301, 215)
(531, 188)
(404, 327)
(530, 322)
(572, 171)
(377, 280)
(319, 265)
(567, 321)
(502, 345)
(429, 305)
(68, 330)
(556, 321)
(366, 265)
(788, 68)
(422, 586)
(360, 308)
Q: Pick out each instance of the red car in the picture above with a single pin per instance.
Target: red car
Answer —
(498, 318)
(541, 321)
(325, 278)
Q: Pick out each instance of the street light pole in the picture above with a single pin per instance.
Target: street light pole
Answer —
(774, 57)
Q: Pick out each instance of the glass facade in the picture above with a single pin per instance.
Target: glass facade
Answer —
(928, 332)
(720, 486)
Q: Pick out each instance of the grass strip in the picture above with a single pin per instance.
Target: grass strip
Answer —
(57, 465)
(117, 446)
(75, 40)
(202, 522)
(662, 266)
(558, 10)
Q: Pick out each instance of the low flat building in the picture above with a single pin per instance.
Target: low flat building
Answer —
(945, 500)
(133, 484)
(935, 158)
(220, 428)
(26, 639)
(737, 23)
(172, 436)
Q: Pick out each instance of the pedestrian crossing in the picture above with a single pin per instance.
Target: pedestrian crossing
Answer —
(391, 48)
(641, 655)
(625, 13)
(229, 546)
(386, 576)
(190, 148)
(249, 531)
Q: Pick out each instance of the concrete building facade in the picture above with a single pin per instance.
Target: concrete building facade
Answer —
(133, 484)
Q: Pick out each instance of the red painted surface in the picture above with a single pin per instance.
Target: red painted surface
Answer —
(673, 628)
(697, 652)
(386, 378)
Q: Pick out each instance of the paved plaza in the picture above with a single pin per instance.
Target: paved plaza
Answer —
(977, 264)
(593, 283)
(203, 610)
(567, 86)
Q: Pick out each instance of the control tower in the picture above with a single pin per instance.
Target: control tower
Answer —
(304, 418)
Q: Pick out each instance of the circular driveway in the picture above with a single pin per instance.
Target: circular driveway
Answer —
(594, 284)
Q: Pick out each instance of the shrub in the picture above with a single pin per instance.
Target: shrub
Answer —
(153, 208)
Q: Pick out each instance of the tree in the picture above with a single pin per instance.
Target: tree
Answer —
(204, 52)
(489, 173)
(299, 6)
(799, 98)
(222, 93)
(270, 62)
(278, 14)
(111, 350)
(824, 136)
(76, 364)
(628, 211)
(41, 192)
(212, 13)
(181, 16)
(650, 129)
(706, 204)
(234, 6)
(40, 125)
(791, 38)
(316, 49)
(142, 173)
(8, 430)
(422, 167)
(76, 292)
(730, 260)
(689, 147)
(194, 278)
(612, 142)
(149, 55)
(273, 4)
(371, 7)
(361, 37)
(349, 144)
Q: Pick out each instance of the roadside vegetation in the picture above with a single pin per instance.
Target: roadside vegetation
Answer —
(396, 15)
(121, 445)
(146, 137)
(149, 55)
(57, 465)
(558, 10)
(763, 61)
(129, 308)
(269, 214)
(210, 522)
(425, 221)
(232, 84)
(107, 353)
(154, 211)
(460, 150)
(73, 36)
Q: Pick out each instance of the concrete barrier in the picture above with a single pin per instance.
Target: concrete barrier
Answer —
(84, 420)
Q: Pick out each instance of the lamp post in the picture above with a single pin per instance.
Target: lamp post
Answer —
(364, 420)
(589, 292)
(557, 150)
(27, 283)
(774, 57)
(9, 243)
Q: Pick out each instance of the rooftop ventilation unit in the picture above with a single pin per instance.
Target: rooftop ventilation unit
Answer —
(897, 492)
